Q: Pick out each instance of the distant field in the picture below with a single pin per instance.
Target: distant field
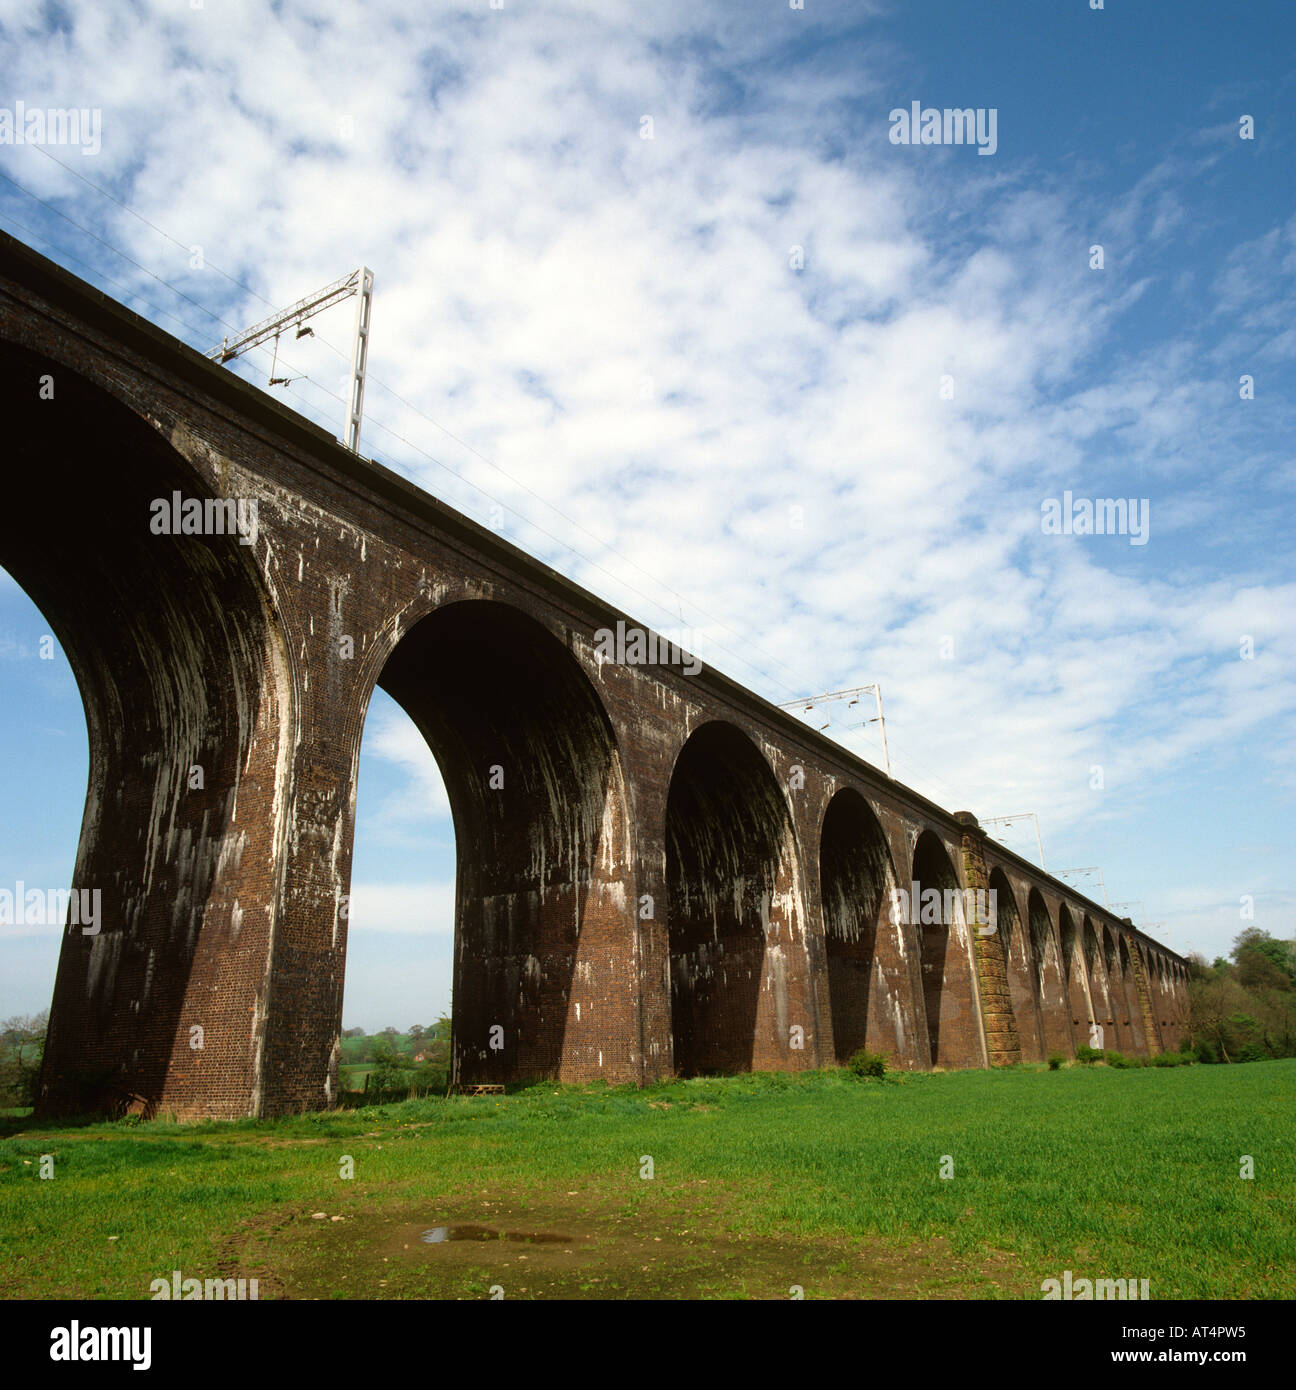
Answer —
(760, 1183)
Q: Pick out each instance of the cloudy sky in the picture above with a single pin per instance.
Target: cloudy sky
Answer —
(659, 295)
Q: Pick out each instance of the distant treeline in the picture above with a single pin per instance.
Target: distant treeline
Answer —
(1243, 1009)
(390, 1064)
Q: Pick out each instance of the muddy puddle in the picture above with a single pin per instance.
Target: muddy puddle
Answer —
(437, 1235)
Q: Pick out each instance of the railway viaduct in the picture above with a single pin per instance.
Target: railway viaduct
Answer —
(658, 872)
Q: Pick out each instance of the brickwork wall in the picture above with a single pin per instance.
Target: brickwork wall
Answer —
(1143, 996)
(1051, 983)
(1019, 963)
(998, 1021)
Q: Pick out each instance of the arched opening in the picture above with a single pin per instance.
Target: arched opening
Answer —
(867, 980)
(401, 905)
(530, 766)
(185, 689)
(1133, 1009)
(1082, 1012)
(1051, 977)
(1022, 977)
(44, 764)
(733, 897)
(936, 911)
(1115, 990)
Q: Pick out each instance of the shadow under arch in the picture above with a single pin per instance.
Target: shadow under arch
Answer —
(953, 1029)
(530, 765)
(1100, 999)
(733, 897)
(1052, 977)
(185, 686)
(867, 980)
(1115, 990)
(1022, 973)
(1077, 978)
(1133, 1008)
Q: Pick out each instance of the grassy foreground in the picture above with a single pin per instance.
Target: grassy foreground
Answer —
(760, 1184)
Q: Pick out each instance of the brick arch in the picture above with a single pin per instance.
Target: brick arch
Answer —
(1168, 1037)
(734, 911)
(1156, 990)
(1134, 1009)
(1052, 977)
(532, 771)
(949, 991)
(1115, 982)
(1077, 974)
(1019, 962)
(1099, 997)
(868, 980)
(188, 693)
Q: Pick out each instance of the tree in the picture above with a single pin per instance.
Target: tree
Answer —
(24, 1038)
(1253, 942)
(1244, 1011)
(1257, 971)
(1213, 1000)
(21, 1032)
(1197, 967)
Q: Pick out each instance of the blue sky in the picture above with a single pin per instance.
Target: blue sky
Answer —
(702, 374)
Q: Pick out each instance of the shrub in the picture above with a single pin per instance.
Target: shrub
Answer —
(17, 1083)
(866, 1063)
(1055, 1060)
(1087, 1054)
(1253, 1052)
(1205, 1051)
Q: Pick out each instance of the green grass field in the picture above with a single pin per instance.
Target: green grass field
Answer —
(760, 1183)
(351, 1075)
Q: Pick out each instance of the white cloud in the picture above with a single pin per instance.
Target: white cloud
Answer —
(614, 321)
(407, 908)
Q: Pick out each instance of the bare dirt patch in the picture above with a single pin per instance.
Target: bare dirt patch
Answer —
(582, 1245)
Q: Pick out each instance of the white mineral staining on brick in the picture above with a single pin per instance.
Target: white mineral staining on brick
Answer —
(101, 969)
(896, 1008)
